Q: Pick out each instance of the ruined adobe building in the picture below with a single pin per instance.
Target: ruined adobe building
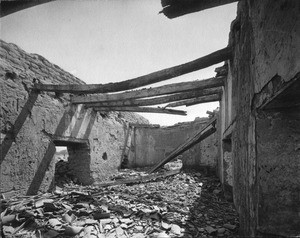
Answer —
(33, 123)
(259, 125)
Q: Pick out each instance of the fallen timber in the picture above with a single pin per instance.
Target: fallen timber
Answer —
(156, 100)
(141, 109)
(155, 77)
(139, 179)
(199, 136)
(197, 100)
(151, 92)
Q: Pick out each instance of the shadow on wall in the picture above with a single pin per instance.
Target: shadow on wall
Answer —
(44, 164)
(12, 131)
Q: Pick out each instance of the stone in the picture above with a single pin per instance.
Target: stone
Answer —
(115, 221)
(229, 226)
(165, 225)
(221, 230)
(105, 221)
(139, 228)
(108, 227)
(175, 229)
(119, 231)
(217, 191)
(163, 235)
(123, 226)
(138, 235)
(210, 230)
(126, 220)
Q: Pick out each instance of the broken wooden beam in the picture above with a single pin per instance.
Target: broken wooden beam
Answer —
(197, 100)
(158, 76)
(199, 136)
(141, 109)
(151, 92)
(138, 179)
(10, 7)
(278, 94)
(177, 8)
(156, 100)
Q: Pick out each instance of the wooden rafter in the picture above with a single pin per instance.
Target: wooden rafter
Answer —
(157, 100)
(10, 7)
(158, 76)
(177, 8)
(141, 109)
(197, 100)
(151, 92)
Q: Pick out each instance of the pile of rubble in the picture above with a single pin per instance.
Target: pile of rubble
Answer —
(180, 205)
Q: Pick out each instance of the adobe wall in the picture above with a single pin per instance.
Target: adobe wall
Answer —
(29, 120)
(265, 157)
(152, 144)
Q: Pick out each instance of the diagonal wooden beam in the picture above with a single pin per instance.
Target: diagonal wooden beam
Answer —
(198, 137)
(198, 100)
(158, 76)
(156, 100)
(141, 109)
(151, 92)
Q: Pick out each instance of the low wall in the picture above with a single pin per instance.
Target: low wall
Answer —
(150, 145)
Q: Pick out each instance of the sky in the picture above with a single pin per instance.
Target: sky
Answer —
(102, 41)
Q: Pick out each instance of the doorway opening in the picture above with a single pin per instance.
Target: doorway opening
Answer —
(72, 161)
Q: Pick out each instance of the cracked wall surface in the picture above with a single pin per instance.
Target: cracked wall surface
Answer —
(266, 39)
(29, 120)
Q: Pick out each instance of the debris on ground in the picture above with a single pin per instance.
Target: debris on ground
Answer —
(181, 205)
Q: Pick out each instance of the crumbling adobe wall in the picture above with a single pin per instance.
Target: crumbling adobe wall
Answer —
(150, 145)
(278, 155)
(29, 120)
(25, 118)
(266, 39)
(106, 138)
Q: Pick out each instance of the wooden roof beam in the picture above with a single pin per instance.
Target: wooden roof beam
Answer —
(141, 109)
(151, 92)
(157, 100)
(177, 8)
(198, 100)
(10, 7)
(158, 76)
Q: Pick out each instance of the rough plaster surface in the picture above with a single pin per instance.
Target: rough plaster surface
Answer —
(276, 40)
(278, 155)
(26, 151)
(151, 145)
(228, 167)
(29, 120)
(266, 40)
